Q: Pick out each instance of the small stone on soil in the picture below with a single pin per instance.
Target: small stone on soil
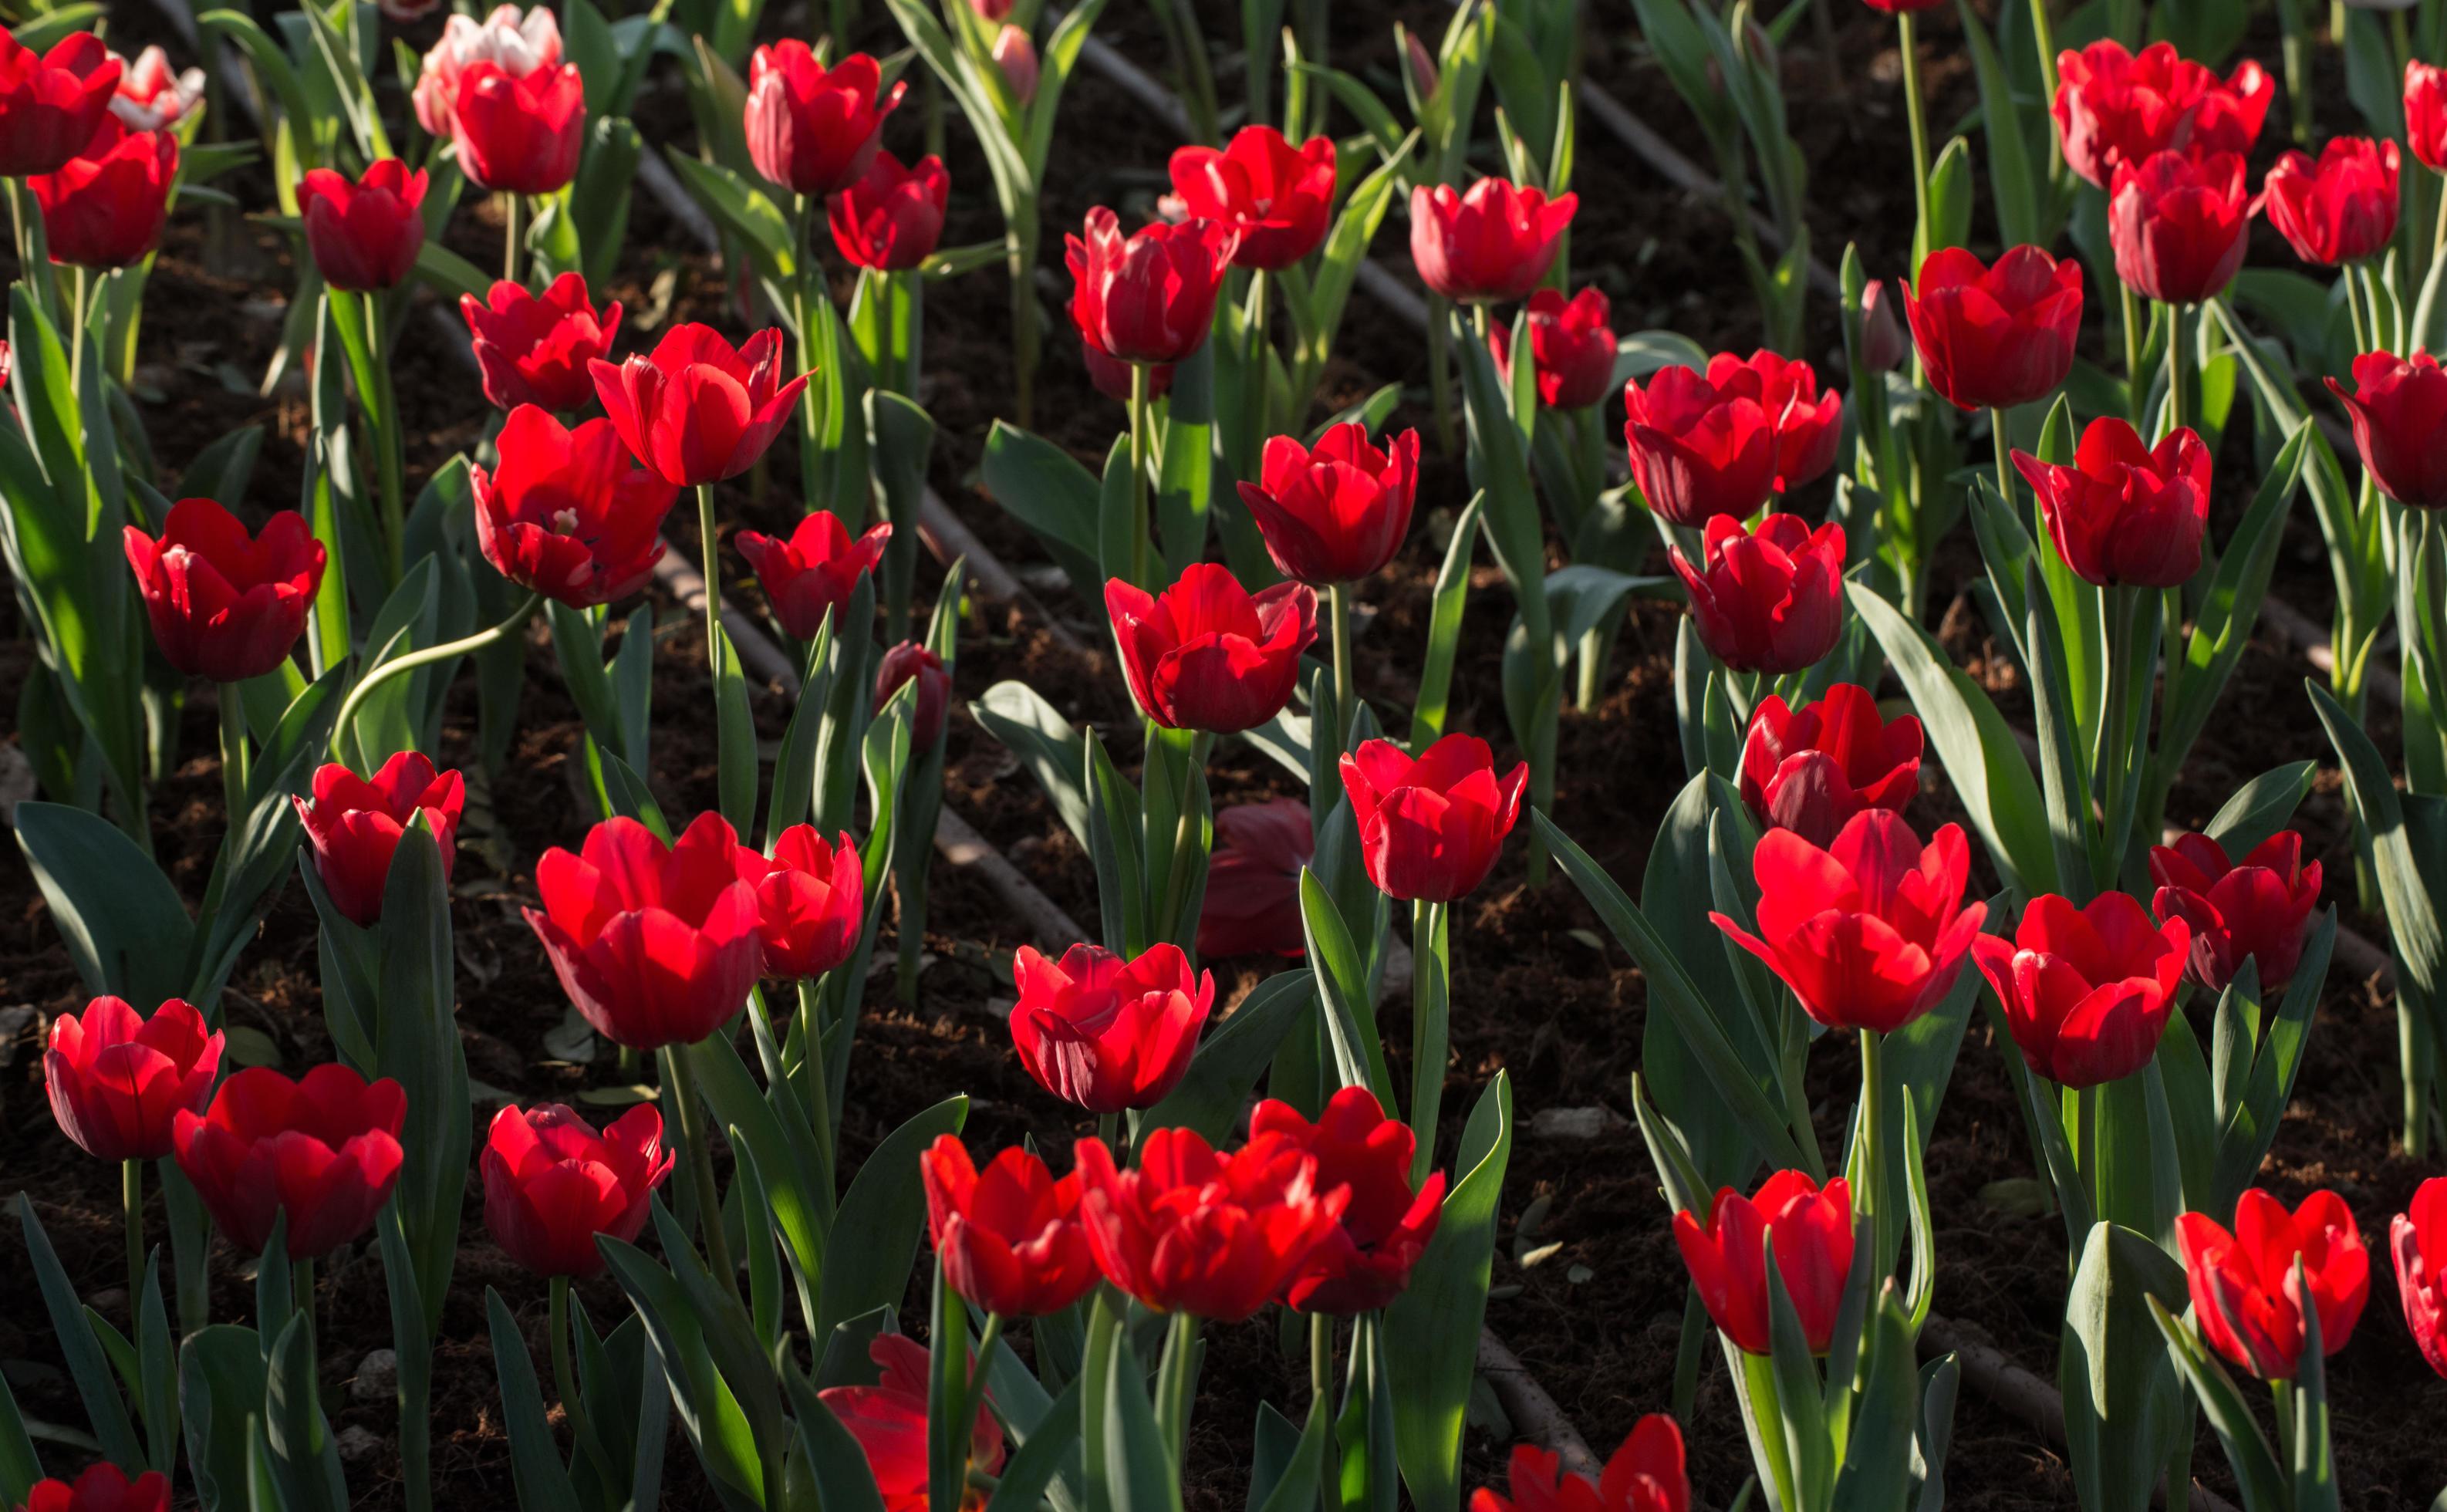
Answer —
(377, 1376)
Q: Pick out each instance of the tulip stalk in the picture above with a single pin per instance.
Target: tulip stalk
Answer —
(808, 290)
(1346, 692)
(466, 645)
(815, 1083)
(679, 1084)
(1430, 1025)
(235, 756)
(1916, 112)
(512, 215)
(383, 415)
(1142, 439)
(564, 1378)
(1176, 1385)
(131, 1202)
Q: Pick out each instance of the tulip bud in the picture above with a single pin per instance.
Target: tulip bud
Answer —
(1017, 57)
(910, 661)
(364, 236)
(1883, 343)
(1422, 65)
(1252, 905)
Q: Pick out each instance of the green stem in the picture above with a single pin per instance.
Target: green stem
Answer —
(384, 420)
(679, 1083)
(2136, 391)
(2120, 604)
(131, 1203)
(1142, 442)
(805, 291)
(564, 1380)
(1916, 109)
(2002, 437)
(466, 645)
(2365, 339)
(513, 208)
(1430, 1028)
(1440, 373)
(301, 1291)
(1176, 1383)
(78, 286)
(709, 562)
(2085, 1144)
(817, 1084)
(235, 757)
(1871, 1197)
(2176, 388)
(1320, 1362)
(1346, 695)
(1253, 372)
(1184, 754)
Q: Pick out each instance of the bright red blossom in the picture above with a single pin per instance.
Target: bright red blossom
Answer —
(536, 349)
(1807, 423)
(1993, 337)
(225, 606)
(698, 410)
(1278, 196)
(1206, 653)
(891, 217)
(324, 1149)
(552, 1183)
(1193, 1231)
(2340, 208)
(1810, 770)
(1699, 451)
(2425, 112)
(117, 1081)
(1646, 1474)
(1107, 1034)
(103, 1488)
(1365, 1261)
(2112, 107)
(1252, 904)
(1009, 1236)
(364, 234)
(814, 129)
(1490, 244)
(353, 824)
(2417, 1237)
(1337, 513)
(2179, 224)
(1770, 601)
(814, 572)
(2244, 1301)
(1430, 829)
(2124, 513)
(2260, 906)
(812, 906)
(1727, 1257)
(2400, 413)
(1570, 345)
(1149, 297)
(565, 512)
(51, 103)
(519, 133)
(520, 42)
(2087, 991)
(104, 209)
(888, 1418)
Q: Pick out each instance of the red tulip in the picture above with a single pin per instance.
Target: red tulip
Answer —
(1206, 654)
(2245, 1299)
(1870, 932)
(1252, 904)
(1806, 425)
(814, 572)
(1884, 346)
(520, 44)
(889, 1420)
(2087, 991)
(223, 606)
(1645, 1475)
(1339, 513)
(1491, 245)
(1107, 1035)
(1770, 601)
(2259, 907)
(2112, 107)
(117, 1080)
(1278, 196)
(1017, 57)
(103, 1488)
(1810, 770)
(2419, 1239)
(1193, 1231)
(1364, 1261)
(2425, 112)
(1429, 829)
(323, 1149)
(698, 412)
(354, 823)
(364, 234)
(810, 128)
(910, 661)
(106, 207)
(1897, 8)
(1994, 337)
(2399, 411)
(1111, 375)
(50, 103)
(1727, 1257)
(812, 906)
(1570, 345)
(2342, 208)
(565, 512)
(150, 95)
(1699, 451)
(1009, 1236)
(2123, 513)
(656, 945)
(1149, 297)
(536, 349)
(552, 1183)
(891, 217)
(519, 134)
(2179, 225)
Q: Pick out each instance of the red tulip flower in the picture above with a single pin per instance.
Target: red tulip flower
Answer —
(1193, 1231)
(1111, 375)
(1646, 1474)
(2260, 906)
(2124, 514)
(151, 94)
(1991, 338)
(889, 1420)
(1364, 1261)
(812, 907)
(2113, 108)
(1898, 7)
(1871, 931)
(2244, 1300)
(697, 410)
(106, 207)
(2419, 1239)
(1429, 829)
(656, 945)
(1570, 343)
(1252, 905)
(552, 1183)
(225, 606)
(323, 1149)
(566, 513)
(906, 662)
(365, 234)
(813, 129)
(103, 1488)
(536, 349)
(2400, 412)
(116, 1081)
(519, 43)
(891, 217)
(354, 824)
(1009, 1236)
(51, 103)
(1770, 601)
(1808, 425)
(2179, 224)
(1016, 56)
(1489, 245)
(1811, 769)
(519, 134)
(1727, 1257)
(1278, 196)
(1206, 654)
(2425, 113)
(1699, 451)
(1149, 297)
(1107, 1035)
(1339, 513)
(2339, 209)
(814, 572)
(2087, 991)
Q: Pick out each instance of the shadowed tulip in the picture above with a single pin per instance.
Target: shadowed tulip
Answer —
(117, 1081)
(324, 1149)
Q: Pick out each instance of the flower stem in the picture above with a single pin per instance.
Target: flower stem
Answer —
(466, 645)
(1440, 372)
(817, 1093)
(2175, 385)
(2085, 1144)
(710, 563)
(1321, 1361)
(1872, 1195)
(2120, 604)
(1916, 109)
(2136, 393)
(2001, 435)
(131, 1202)
(513, 209)
(1141, 547)
(679, 1083)
(1431, 1010)
(805, 291)
(1253, 372)
(235, 755)
(301, 1292)
(564, 1380)
(1346, 697)
(1176, 1383)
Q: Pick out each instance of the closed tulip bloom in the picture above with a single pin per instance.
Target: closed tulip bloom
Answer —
(104, 209)
(2244, 1300)
(2087, 991)
(565, 512)
(364, 234)
(1570, 345)
(1193, 1231)
(2260, 906)
(2425, 113)
(353, 824)
(1111, 376)
(654, 945)
(814, 571)
(2340, 208)
(1646, 1474)
(698, 410)
(892, 217)
(1808, 425)
(537, 348)
(51, 103)
(117, 1081)
(1208, 654)
(907, 662)
(1811, 769)
(2112, 107)
(103, 1488)
(552, 1183)
(1770, 601)
(1490, 244)
(2125, 514)
(889, 1420)
(1430, 829)
(1994, 337)
(2400, 412)
(225, 606)
(1884, 346)
(1337, 513)
(2179, 225)
(812, 906)
(2417, 1236)
(519, 43)
(813, 129)
(519, 134)
(1364, 1261)
(1869, 931)
(1107, 1034)
(1699, 451)
(324, 1149)
(1252, 905)
(1015, 55)
(1149, 297)
(1727, 1257)
(1009, 1236)
(1278, 196)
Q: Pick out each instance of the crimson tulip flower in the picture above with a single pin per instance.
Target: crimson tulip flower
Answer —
(814, 571)
(324, 1149)
(1869, 931)
(2087, 991)
(116, 1080)
(1884, 346)
(1208, 654)
(2340, 208)
(104, 207)
(1898, 7)
(552, 1183)
(2260, 906)
(1727, 1257)
(698, 410)
(51, 103)
(2245, 1299)
(812, 906)
(565, 513)
(813, 129)
(1149, 297)
(2400, 412)
(520, 42)
(889, 1420)
(909, 661)
(1571, 346)
(1811, 769)
(1492, 243)
(891, 217)
(1337, 513)
(519, 134)
(151, 94)
(2179, 224)
(536, 349)
(2417, 1236)
(1699, 451)
(1993, 337)
(1194, 1231)
(1016, 56)
(354, 823)
(1278, 196)
(1808, 425)
(1429, 829)
(225, 606)
(2112, 107)
(1111, 375)
(364, 234)
(103, 1488)
(656, 945)
(2125, 513)
(2425, 113)
(1009, 1236)
(1646, 1474)
(1365, 1260)
(1770, 601)
(1107, 1034)
(1252, 905)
